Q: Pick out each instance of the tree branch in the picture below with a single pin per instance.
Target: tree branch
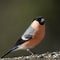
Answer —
(45, 56)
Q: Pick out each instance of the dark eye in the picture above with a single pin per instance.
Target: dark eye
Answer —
(42, 21)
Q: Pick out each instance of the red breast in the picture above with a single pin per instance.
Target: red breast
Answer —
(38, 35)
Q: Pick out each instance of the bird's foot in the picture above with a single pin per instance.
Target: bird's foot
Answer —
(30, 51)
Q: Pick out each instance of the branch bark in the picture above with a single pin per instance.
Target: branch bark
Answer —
(45, 56)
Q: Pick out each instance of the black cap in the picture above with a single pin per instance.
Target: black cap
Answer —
(40, 19)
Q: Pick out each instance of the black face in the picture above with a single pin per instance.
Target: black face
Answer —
(40, 19)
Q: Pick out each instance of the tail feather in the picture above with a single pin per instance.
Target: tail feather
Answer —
(12, 49)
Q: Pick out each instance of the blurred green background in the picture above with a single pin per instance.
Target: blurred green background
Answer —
(16, 16)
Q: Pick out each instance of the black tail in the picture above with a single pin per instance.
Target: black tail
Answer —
(9, 52)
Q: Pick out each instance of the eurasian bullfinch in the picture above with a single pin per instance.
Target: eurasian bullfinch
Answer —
(31, 37)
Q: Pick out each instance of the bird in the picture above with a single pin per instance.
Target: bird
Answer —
(33, 35)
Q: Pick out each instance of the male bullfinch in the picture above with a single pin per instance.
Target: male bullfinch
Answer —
(32, 36)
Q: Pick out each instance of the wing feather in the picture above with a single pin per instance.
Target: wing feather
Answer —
(28, 35)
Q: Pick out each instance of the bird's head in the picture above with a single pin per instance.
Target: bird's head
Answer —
(40, 19)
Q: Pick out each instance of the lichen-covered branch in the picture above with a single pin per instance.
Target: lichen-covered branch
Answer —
(45, 56)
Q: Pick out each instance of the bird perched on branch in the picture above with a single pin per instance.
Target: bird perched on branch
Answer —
(31, 37)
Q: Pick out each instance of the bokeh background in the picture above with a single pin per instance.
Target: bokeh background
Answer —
(16, 16)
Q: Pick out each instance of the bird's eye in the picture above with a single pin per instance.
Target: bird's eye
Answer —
(42, 21)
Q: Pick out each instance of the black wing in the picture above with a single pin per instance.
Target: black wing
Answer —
(20, 40)
(26, 36)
